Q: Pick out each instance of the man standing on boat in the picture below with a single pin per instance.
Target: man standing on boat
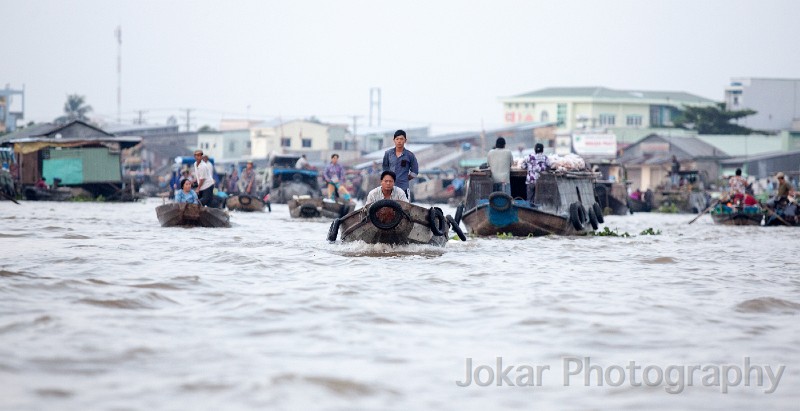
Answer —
(205, 178)
(401, 161)
(535, 164)
(737, 184)
(500, 159)
(387, 190)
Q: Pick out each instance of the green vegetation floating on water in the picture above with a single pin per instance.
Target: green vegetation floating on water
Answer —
(650, 231)
(606, 232)
(84, 199)
(505, 236)
(668, 209)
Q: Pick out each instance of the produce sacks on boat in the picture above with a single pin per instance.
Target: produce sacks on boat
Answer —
(569, 162)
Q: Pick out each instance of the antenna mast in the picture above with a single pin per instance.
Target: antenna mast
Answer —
(118, 34)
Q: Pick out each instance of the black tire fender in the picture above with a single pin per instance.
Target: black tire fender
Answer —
(333, 232)
(459, 213)
(437, 221)
(456, 228)
(598, 212)
(500, 201)
(308, 210)
(376, 206)
(245, 200)
(593, 218)
(576, 215)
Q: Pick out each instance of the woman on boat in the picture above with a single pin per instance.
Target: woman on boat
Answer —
(387, 189)
(186, 194)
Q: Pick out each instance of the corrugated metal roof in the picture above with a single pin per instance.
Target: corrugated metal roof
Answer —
(607, 93)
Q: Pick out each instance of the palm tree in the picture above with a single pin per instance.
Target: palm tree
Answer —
(74, 109)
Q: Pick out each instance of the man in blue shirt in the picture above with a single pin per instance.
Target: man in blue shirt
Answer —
(401, 161)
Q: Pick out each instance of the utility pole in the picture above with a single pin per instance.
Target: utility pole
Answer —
(141, 116)
(188, 119)
(355, 134)
(118, 33)
(375, 103)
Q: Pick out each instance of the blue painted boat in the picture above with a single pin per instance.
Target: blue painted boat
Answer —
(565, 204)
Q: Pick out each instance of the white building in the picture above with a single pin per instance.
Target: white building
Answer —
(776, 101)
(599, 108)
(225, 146)
(315, 139)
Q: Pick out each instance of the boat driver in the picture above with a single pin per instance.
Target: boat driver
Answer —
(387, 189)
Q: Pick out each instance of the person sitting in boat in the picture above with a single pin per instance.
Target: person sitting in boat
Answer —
(247, 182)
(636, 195)
(302, 163)
(334, 178)
(535, 164)
(387, 189)
(42, 183)
(186, 194)
(784, 190)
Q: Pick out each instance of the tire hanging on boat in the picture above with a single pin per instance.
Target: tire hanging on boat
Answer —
(598, 212)
(500, 201)
(593, 218)
(459, 213)
(376, 206)
(456, 228)
(308, 210)
(245, 200)
(333, 231)
(437, 221)
(577, 216)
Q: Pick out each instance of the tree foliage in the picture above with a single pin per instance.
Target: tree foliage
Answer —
(75, 108)
(713, 120)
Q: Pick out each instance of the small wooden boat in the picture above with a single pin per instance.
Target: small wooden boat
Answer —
(191, 215)
(308, 207)
(565, 205)
(612, 195)
(394, 222)
(643, 205)
(243, 202)
(47, 194)
(737, 217)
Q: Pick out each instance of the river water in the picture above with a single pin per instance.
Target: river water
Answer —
(103, 309)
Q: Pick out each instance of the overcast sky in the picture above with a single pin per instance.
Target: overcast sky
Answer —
(443, 63)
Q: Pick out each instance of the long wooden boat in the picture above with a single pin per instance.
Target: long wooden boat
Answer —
(737, 217)
(191, 215)
(245, 202)
(47, 194)
(394, 222)
(612, 195)
(564, 205)
(308, 207)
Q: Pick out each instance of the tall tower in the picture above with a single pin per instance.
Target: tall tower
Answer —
(375, 103)
(118, 34)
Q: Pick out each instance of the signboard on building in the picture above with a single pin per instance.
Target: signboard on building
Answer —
(595, 145)
(563, 144)
(654, 147)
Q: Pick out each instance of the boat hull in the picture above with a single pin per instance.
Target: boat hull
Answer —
(413, 228)
(191, 215)
(48, 194)
(519, 221)
(244, 203)
(317, 207)
(738, 218)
